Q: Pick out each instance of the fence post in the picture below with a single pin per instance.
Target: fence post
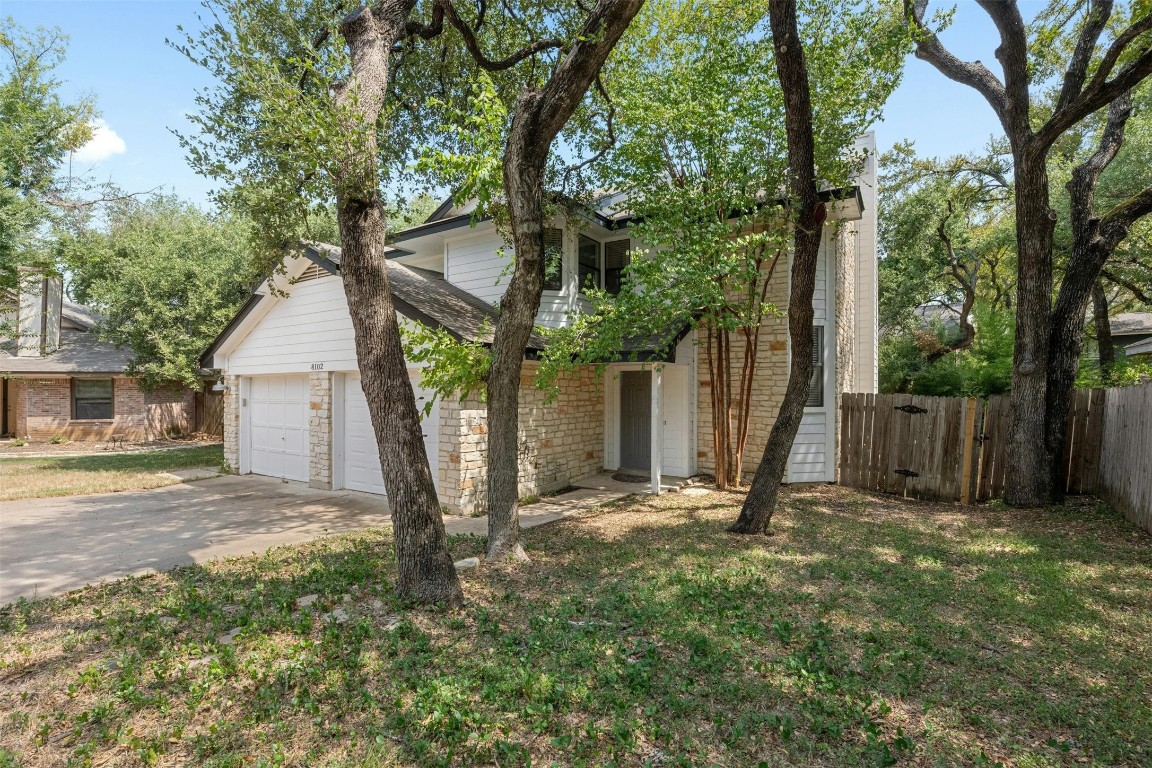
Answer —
(968, 449)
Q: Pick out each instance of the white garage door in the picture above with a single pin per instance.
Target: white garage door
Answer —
(361, 459)
(278, 424)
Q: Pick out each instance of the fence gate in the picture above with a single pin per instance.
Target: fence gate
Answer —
(952, 448)
(918, 447)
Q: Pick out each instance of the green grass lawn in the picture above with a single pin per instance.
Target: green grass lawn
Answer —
(32, 478)
(867, 632)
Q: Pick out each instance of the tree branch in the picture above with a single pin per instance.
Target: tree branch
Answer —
(1098, 14)
(1012, 53)
(1136, 290)
(442, 9)
(970, 73)
(609, 128)
(1100, 91)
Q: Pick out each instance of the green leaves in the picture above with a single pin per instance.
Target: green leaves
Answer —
(167, 277)
(37, 130)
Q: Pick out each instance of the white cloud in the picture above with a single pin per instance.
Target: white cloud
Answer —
(104, 143)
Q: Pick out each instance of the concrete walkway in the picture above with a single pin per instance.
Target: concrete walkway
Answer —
(50, 546)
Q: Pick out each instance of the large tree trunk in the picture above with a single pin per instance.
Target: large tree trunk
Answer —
(759, 505)
(1030, 479)
(540, 115)
(1105, 349)
(426, 572)
(524, 184)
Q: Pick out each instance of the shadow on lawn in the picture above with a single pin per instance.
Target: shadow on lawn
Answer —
(858, 635)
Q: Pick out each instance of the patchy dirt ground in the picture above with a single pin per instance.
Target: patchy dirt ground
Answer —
(866, 631)
(9, 447)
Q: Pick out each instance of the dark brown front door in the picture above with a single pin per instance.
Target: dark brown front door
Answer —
(636, 419)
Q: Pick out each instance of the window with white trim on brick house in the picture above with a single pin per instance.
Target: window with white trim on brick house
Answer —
(92, 399)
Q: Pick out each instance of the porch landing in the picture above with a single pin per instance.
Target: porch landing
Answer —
(604, 482)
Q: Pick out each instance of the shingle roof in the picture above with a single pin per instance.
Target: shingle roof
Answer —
(1131, 323)
(80, 352)
(425, 296)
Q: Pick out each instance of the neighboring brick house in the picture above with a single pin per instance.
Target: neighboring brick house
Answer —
(294, 407)
(58, 379)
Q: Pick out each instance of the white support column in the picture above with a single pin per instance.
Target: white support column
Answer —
(657, 430)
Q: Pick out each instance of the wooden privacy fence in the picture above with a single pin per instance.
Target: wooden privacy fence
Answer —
(209, 408)
(1126, 469)
(952, 448)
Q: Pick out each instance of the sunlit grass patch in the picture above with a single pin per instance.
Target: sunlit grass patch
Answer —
(30, 478)
(862, 633)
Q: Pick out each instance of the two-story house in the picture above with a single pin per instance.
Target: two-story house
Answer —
(294, 407)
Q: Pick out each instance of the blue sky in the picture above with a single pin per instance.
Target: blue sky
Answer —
(144, 88)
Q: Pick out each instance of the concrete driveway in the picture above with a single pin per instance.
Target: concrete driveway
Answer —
(49, 546)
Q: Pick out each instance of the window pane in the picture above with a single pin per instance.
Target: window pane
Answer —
(816, 387)
(92, 399)
(588, 251)
(92, 409)
(615, 260)
(553, 259)
(93, 388)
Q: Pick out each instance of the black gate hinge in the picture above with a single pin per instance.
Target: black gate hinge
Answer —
(906, 472)
(913, 409)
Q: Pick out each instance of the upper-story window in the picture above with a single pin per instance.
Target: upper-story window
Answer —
(615, 260)
(553, 259)
(588, 258)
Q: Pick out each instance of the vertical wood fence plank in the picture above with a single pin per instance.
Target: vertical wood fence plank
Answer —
(968, 446)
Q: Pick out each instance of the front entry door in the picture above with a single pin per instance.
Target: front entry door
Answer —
(636, 419)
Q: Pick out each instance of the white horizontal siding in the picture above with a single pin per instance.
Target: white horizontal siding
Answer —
(481, 265)
(477, 265)
(311, 325)
(808, 461)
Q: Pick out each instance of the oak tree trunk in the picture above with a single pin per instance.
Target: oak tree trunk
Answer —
(425, 569)
(541, 113)
(760, 504)
(1029, 479)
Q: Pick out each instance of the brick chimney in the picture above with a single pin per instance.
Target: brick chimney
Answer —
(40, 300)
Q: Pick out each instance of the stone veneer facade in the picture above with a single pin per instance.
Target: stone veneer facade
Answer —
(320, 430)
(769, 384)
(232, 422)
(42, 409)
(560, 442)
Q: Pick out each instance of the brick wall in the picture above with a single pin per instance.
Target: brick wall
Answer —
(559, 442)
(44, 410)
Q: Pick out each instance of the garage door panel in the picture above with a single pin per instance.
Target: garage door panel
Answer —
(278, 426)
(361, 460)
